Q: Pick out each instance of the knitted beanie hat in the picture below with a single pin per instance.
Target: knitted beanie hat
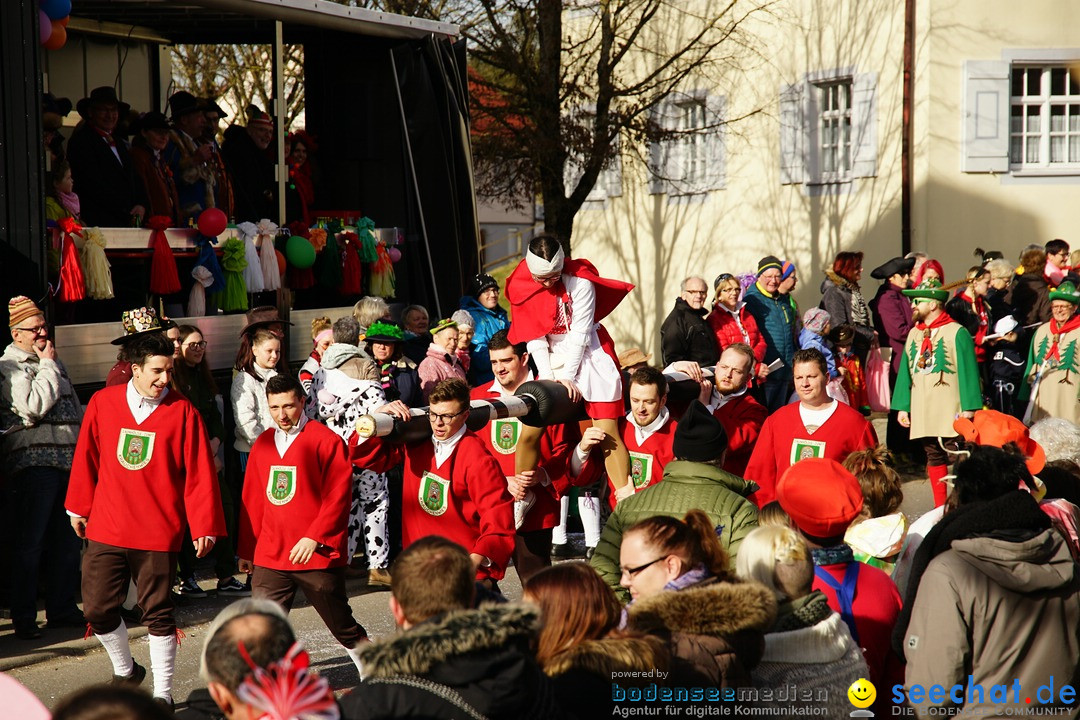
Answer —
(815, 320)
(769, 261)
(20, 308)
(699, 436)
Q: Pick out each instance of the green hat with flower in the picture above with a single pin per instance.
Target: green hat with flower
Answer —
(928, 289)
(1066, 291)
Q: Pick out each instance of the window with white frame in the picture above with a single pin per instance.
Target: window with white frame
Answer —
(609, 182)
(828, 128)
(834, 128)
(1044, 119)
(688, 156)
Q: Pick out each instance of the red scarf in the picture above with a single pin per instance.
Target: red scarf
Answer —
(926, 349)
(1055, 334)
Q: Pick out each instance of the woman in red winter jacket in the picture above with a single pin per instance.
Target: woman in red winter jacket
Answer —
(733, 323)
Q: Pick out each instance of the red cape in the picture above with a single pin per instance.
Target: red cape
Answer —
(534, 306)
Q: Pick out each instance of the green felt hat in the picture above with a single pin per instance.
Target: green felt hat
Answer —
(929, 289)
(1066, 291)
(386, 333)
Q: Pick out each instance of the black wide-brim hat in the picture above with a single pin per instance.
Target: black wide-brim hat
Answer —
(139, 322)
(105, 95)
(262, 316)
(896, 266)
(152, 120)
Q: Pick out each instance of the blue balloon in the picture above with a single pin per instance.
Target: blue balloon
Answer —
(56, 9)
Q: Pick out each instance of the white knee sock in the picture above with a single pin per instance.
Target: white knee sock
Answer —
(558, 534)
(116, 645)
(354, 655)
(163, 663)
(589, 509)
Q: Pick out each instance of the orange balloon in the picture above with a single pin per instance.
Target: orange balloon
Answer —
(280, 262)
(58, 37)
(64, 20)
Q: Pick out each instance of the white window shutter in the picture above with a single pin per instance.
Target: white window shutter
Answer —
(986, 116)
(811, 143)
(864, 125)
(715, 155)
(792, 163)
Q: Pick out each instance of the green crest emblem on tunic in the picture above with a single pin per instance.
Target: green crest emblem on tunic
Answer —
(640, 469)
(802, 449)
(281, 484)
(504, 435)
(434, 494)
(135, 448)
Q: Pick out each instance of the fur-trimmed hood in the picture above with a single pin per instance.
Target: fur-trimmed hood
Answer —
(718, 609)
(608, 655)
(424, 646)
(831, 278)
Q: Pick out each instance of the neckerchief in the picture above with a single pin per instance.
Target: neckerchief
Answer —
(1055, 335)
(564, 312)
(926, 349)
(70, 201)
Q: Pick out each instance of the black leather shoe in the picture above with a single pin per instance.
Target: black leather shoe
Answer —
(166, 703)
(30, 631)
(138, 674)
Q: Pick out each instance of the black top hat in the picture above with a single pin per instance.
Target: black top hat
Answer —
(184, 103)
(152, 120)
(105, 95)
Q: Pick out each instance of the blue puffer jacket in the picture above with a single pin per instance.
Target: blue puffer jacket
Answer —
(776, 321)
(488, 322)
(809, 339)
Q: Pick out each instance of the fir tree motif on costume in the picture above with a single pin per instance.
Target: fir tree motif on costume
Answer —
(434, 494)
(504, 435)
(281, 484)
(135, 448)
(1068, 362)
(640, 469)
(941, 362)
(912, 355)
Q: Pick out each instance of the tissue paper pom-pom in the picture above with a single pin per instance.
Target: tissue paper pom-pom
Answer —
(395, 254)
(317, 239)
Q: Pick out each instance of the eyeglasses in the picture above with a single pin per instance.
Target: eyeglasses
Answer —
(196, 345)
(699, 293)
(631, 572)
(36, 330)
(435, 417)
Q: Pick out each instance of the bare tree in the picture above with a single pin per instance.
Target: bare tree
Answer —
(549, 101)
(240, 75)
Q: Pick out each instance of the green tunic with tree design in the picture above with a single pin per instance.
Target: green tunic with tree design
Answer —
(936, 387)
(1059, 383)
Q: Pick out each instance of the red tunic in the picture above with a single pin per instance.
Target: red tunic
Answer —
(306, 493)
(465, 500)
(139, 486)
(783, 436)
(875, 609)
(555, 446)
(534, 306)
(742, 419)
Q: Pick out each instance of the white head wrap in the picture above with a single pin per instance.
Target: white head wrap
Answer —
(540, 267)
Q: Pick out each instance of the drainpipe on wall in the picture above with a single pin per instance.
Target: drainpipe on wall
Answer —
(906, 127)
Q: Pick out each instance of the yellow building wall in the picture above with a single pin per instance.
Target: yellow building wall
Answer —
(953, 211)
(655, 241)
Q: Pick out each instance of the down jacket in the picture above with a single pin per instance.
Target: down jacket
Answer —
(776, 321)
(685, 335)
(719, 494)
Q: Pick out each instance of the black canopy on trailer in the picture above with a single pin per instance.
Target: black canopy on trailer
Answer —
(386, 96)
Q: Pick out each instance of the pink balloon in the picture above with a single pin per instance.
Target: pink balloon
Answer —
(212, 222)
(394, 254)
(44, 27)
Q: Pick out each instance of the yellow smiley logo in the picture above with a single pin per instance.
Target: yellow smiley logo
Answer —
(862, 693)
